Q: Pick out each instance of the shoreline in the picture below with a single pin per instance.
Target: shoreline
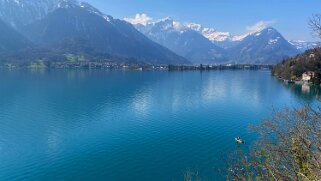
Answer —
(140, 67)
(296, 82)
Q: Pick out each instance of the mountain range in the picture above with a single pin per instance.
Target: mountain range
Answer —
(72, 27)
(226, 39)
(52, 30)
(183, 41)
(206, 45)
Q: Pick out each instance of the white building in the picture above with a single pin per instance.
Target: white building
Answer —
(307, 76)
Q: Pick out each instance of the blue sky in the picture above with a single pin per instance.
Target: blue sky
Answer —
(290, 17)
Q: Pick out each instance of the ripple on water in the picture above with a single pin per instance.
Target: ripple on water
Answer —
(65, 125)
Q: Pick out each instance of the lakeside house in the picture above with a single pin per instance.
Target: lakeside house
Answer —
(312, 55)
(307, 76)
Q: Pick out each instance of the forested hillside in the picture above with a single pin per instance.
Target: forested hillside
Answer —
(293, 68)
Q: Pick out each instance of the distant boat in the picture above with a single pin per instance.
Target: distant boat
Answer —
(239, 140)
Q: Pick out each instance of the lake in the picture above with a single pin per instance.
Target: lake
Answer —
(132, 125)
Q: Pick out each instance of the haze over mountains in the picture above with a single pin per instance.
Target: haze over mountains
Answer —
(51, 30)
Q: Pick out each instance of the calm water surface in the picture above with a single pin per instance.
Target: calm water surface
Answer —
(123, 125)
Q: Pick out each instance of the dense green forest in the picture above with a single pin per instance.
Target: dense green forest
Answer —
(293, 68)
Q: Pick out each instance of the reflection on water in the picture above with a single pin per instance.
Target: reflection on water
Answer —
(306, 88)
(127, 125)
(306, 92)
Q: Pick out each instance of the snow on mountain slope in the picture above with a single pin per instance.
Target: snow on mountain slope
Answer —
(304, 45)
(260, 44)
(218, 36)
(210, 33)
(183, 40)
(19, 13)
(266, 46)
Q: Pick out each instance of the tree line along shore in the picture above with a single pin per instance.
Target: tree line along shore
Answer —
(305, 67)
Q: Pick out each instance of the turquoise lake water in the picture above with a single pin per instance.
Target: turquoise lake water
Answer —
(127, 125)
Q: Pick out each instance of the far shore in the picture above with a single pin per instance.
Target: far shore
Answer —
(124, 66)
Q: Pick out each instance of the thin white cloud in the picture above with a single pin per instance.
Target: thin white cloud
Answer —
(259, 26)
(139, 19)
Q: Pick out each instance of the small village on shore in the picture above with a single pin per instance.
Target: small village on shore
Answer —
(125, 66)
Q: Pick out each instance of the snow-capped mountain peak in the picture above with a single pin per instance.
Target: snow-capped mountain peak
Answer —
(182, 38)
(22, 12)
(219, 36)
(256, 33)
(168, 23)
(214, 35)
(165, 23)
(209, 33)
(19, 13)
(166, 19)
(194, 26)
